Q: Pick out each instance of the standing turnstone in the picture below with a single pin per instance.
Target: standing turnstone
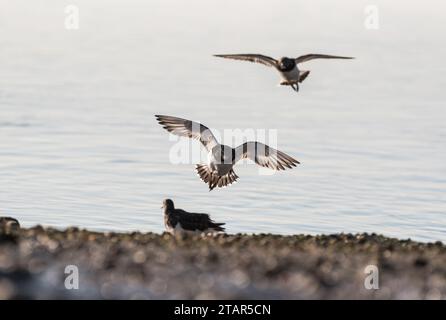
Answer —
(179, 221)
(221, 159)
(287, 67)
(9, 222)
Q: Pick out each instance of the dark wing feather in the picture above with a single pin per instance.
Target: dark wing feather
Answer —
(257, 58)
(197, 221)
(188, 128)
(312, 56)
(264, 156)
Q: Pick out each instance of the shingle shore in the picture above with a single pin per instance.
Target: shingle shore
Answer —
(33, 263)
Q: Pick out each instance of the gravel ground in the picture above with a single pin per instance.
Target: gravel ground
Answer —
(137, 265)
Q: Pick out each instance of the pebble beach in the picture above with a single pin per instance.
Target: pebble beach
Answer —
(34, 263)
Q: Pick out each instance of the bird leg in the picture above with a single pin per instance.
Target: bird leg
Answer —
(295, 87)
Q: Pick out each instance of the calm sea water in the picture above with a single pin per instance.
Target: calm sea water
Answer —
(79, 144)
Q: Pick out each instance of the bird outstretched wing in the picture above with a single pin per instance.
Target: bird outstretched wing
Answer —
(188, 128)
(313, 56)
(257, 58)
(264, 156)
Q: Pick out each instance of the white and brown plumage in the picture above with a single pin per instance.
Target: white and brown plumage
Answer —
(288, 67)
(179, 221)
(218, 172)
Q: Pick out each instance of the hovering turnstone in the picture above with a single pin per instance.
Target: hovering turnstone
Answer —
(221, 159)
(287, 67)
(180, 221)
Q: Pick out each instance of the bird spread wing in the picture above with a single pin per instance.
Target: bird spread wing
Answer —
(312, 56)
(258, 58)
(197, 221)
(264, 156)
(188, 128)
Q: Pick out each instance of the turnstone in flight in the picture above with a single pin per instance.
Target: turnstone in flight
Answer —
(290, 73)
(178, 221)
(218, 172)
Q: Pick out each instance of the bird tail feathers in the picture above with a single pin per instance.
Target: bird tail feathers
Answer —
(218, 227)
(213, 179)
